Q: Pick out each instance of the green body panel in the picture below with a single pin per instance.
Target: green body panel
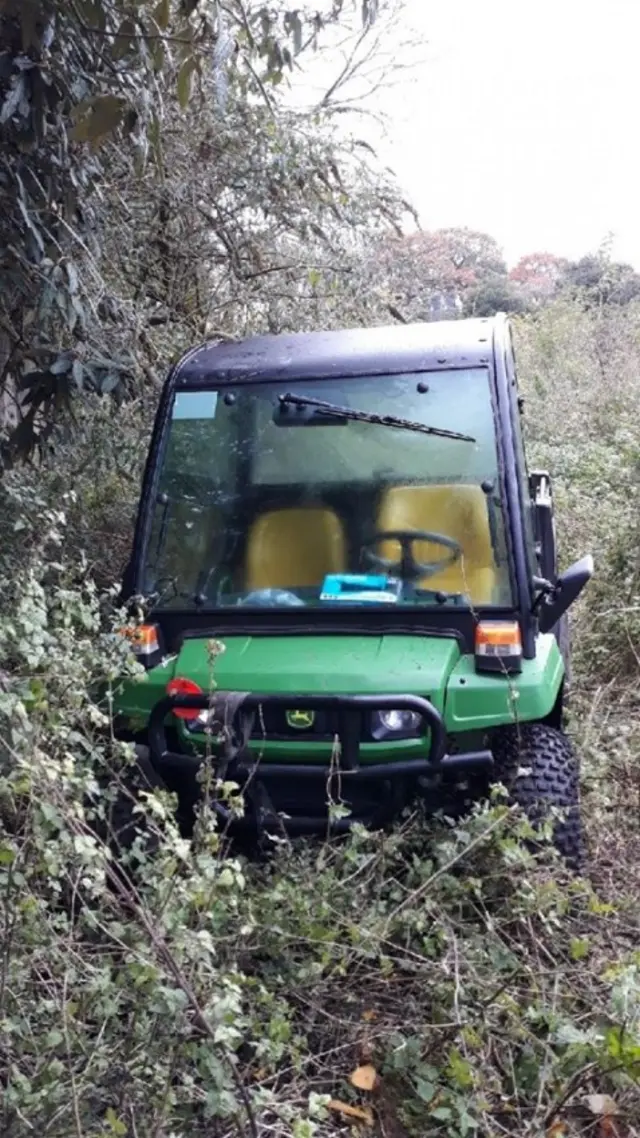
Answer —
(356, 665)
(477, 702)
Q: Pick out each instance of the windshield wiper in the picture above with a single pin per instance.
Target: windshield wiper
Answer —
(371, 417)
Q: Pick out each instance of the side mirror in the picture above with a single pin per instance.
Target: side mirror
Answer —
(567, 588)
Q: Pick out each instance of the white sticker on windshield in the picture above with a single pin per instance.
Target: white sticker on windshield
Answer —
(195, 405)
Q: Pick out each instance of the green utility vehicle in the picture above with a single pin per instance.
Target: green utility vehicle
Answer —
(349, 582)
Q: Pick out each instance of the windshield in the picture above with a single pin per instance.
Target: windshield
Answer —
(267, 501)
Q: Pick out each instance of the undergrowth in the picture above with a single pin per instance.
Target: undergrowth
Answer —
(435, 981)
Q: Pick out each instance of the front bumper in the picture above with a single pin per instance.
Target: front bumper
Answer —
(385, 784)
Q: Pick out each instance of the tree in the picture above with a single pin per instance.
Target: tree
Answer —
(265, 230)
(472, 252)
(539, 275)
(94, 95)
(428, 275)
(497, 295)
(599, 280)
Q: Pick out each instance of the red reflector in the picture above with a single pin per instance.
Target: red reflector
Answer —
(182, 686)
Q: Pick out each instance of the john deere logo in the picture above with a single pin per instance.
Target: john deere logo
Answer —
(301, 720)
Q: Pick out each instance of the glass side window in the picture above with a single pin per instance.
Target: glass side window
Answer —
(268, 501)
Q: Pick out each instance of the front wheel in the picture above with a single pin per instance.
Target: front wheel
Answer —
(539, 767)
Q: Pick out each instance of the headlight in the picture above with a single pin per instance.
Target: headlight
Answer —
(395, 722)
(203, 724)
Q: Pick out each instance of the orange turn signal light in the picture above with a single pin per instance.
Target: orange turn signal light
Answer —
(143, 639)
(498, 638)
(498, 645)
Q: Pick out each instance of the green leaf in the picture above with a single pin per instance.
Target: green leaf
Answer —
(184, 81)
(13, 99)
(155, 140)
(294, 24)
(425, 1090)
(72, 274)
(30, 226)
(78, 373)
(441, 1113)
(106, 115)
(622, 1048)
(125, 40)
(184, 37)
(115, 1124)
(62, 365)
(109, 383)
(580, 948)
(92, 13)
(158, 55)
(161, 14)
(275, 62)
(459, 1069)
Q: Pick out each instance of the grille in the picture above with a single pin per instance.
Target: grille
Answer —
(273, 723)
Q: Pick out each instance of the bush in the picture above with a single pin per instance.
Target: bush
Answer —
(210, 996)
(581, 379)
(435, 981)
(92, 476)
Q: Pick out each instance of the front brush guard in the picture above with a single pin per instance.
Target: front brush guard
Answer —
(234, 714)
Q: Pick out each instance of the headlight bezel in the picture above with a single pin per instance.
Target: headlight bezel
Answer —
(408, 725)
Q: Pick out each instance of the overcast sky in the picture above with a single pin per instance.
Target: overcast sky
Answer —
(523, 121)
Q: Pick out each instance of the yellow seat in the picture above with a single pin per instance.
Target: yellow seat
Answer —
(295, 548)
(453, 510)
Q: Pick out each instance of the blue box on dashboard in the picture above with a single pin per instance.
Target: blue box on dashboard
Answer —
(363, 588)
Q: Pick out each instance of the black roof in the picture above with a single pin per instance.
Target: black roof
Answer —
(355, 351)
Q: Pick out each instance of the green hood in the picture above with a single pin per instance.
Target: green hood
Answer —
(347, 665)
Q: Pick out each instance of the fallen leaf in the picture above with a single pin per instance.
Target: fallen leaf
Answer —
(362, 1112)
(601, 1104)
(607, 1128)
(558, 1129)
(364, 1078)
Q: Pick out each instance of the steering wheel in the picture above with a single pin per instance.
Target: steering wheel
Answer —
(407, 568)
